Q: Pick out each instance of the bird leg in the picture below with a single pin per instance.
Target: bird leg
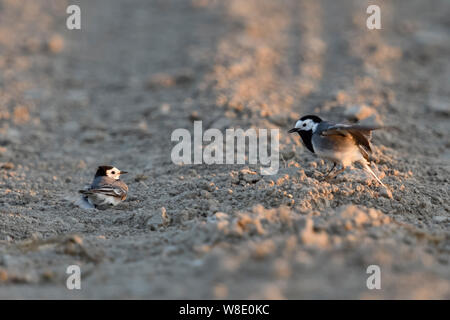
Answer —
(329, 177)
(328, 173)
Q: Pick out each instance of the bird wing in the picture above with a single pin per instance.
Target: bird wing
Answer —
(360, 133)
(107, 190)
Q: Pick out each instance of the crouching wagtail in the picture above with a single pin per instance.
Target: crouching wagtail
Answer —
(106, 188)
(340, 143)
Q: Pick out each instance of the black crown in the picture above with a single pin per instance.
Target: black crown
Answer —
(315, 119)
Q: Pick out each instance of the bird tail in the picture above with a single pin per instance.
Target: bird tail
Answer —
(84, 203)
(367, 168)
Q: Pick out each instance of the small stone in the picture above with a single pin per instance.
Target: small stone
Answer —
(440, 219)
(56, 43)
(160, 80)
(221, 216)
(341, 97)
(309, 237)
(21, 115)
(439, 106)
(220, 291)
(48, 275)
(205, 194)
(165, 217)
(288, 154)
(360, 218)
(184, 77)
(164, 108)
(8, 166)
(359, 112)
(249, 176)
(194, 116)
(385, 192)
(81, 164)
(166, 80)
(75, 239)
(282, 268)
(140, 177)
(373, 214)
(208, 186)
(3, 275)
(92, 136)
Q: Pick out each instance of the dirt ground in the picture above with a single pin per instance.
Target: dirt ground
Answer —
(113, 92)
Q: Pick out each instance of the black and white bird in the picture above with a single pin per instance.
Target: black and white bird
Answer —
(342, 144)
(106, 188)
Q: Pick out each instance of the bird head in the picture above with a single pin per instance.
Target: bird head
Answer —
(306, 123)
(109, 171)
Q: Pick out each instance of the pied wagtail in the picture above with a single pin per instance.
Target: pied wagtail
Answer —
(106, 188)
(342, 144)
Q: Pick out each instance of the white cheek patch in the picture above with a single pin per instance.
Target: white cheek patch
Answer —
(116, 175)
(306, 125)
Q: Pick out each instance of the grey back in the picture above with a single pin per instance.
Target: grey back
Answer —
(101, 181)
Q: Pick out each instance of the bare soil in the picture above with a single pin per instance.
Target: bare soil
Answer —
(113, 92)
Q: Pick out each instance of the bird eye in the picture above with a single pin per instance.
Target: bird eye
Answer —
(304, 124)
(113, 172)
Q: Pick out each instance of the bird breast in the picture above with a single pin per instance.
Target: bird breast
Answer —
(337, 148)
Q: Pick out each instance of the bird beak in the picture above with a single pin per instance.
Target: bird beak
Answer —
(123, 172)
(293, 130)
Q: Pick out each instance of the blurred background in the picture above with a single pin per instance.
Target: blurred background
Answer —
(112, 93)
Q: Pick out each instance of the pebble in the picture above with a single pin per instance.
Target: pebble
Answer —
(158, 219)
(8, 166)
(386, 193)
(249, 176)
(440, 219)
(439, 106)
(56, 44)
(309, 237)
(287, 155)
(359, 112)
